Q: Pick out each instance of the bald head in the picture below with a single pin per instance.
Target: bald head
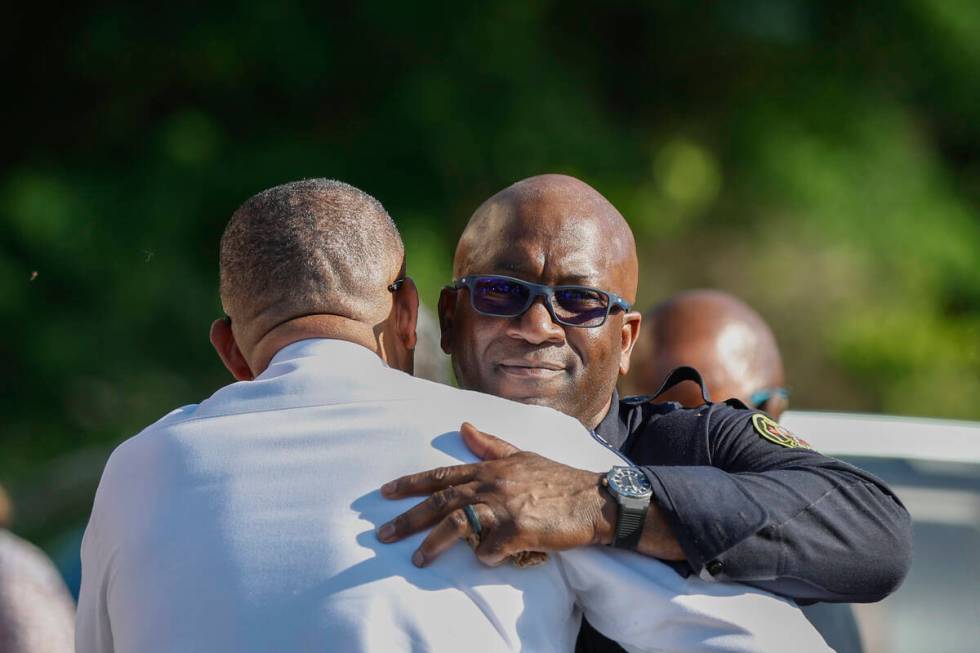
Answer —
(311, 247)
(550, 208)
(551, 230)
(721, 336)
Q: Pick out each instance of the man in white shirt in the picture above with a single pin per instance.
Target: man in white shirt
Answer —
(246, 523)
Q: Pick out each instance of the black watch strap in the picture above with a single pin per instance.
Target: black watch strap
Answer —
(629, 527)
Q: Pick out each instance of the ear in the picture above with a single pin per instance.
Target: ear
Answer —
(406, 313)
(224, 343)
(628, 334)
(447, 314)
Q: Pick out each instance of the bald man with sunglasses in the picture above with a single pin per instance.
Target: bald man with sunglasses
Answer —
(540, 311)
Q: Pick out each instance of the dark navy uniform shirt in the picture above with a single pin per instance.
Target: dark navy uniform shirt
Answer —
(787, 519)
(746, 509)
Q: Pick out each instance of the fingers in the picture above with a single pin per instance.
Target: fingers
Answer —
(447, 533)
(490, 550)
(428, 482)
(428, 512)
(484, 445)
(523, 559)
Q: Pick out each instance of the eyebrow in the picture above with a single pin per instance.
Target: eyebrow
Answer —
(515, 267)
(519, 268)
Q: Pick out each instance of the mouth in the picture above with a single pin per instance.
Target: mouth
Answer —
(530, 369)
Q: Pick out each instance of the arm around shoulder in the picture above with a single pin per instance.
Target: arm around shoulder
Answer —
(771, 512)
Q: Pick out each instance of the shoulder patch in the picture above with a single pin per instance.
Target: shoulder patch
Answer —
(771, 430)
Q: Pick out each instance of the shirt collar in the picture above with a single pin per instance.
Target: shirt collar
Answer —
(611, 428)
(340, 352)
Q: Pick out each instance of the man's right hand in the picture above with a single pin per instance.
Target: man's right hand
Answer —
(525, 503)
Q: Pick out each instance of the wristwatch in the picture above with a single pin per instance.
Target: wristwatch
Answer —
(632, 491)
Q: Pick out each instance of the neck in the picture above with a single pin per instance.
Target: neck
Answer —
(596, 419)
(334, 327)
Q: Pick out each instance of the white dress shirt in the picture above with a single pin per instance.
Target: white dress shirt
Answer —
(247, 523)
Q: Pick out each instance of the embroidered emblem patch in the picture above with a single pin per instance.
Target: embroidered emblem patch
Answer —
(768, 428)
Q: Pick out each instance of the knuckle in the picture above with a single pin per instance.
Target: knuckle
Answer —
(457, 520)
(499, 485)
(440, 474)
(443, 498)
(489, 519)
(491, 551)
(484, 486)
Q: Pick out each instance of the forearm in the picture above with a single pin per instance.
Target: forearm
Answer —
(807, 533)
(850, 544)
(658, 539)
(750, 507)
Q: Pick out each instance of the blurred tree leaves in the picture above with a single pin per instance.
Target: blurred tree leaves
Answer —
(820, 159)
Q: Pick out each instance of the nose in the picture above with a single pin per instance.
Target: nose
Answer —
(536, 326)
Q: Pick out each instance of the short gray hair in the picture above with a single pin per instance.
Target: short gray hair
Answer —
(316, 246)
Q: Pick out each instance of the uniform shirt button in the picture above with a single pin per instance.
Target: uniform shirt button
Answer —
(715, 567)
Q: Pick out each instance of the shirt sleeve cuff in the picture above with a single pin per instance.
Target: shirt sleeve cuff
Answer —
(708, 512)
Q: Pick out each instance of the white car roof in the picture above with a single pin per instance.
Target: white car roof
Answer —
(887, 436)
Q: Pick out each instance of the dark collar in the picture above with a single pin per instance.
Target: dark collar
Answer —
(612, 429)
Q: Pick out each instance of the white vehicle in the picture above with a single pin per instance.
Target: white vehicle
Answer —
(934, 467)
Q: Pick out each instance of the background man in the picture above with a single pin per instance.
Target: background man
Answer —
(246, 523)
(736, 497)
(37, 614)
(737, 355)
(723, 338)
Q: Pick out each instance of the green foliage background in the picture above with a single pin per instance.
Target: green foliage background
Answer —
(819, 159)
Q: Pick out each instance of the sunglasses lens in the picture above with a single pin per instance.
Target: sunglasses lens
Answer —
(572, 305)
(761, 398)
(498, 296)
(581, 306)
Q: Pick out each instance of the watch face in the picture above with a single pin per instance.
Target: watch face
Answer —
(629, 482)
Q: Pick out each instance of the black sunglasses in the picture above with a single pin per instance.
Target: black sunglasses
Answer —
(396, 285)
(574, 306)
